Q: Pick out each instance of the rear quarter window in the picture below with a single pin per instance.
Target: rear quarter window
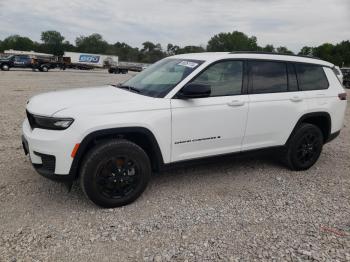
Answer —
(311, 77)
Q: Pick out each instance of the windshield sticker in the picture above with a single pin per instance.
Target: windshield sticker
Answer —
(188, 64)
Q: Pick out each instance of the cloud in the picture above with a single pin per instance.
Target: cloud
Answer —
(183, 22)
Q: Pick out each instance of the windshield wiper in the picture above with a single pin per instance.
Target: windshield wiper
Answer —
(130, 88)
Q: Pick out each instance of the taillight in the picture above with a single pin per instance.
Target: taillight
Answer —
(342, 96)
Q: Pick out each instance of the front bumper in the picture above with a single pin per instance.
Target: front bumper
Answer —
(49, 151)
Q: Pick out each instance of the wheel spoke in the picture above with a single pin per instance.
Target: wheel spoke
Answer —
(117, 177)
(102, 180)
(129, 179)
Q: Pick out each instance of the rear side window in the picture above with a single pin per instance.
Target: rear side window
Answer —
(268, 77)
(311, 77)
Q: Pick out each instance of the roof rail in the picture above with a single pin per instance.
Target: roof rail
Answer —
(272, 53)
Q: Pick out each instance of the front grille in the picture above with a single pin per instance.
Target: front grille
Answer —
(48, 162)
(31, 119)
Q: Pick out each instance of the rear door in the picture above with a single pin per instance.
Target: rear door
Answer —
(212, 125)
(275, 106)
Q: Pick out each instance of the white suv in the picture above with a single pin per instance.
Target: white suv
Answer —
(181, 108)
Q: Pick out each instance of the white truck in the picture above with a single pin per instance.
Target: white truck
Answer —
(92, 60)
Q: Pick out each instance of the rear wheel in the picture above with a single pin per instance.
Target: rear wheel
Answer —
(44, 69)
(304, 147)
(115, 173)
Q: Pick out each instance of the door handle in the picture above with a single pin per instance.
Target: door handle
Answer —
(236, 103)
(296, 99)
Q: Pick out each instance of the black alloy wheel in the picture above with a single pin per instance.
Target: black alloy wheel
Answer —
(308, 148)
(117, 177)
(304, 147)
(115, 173)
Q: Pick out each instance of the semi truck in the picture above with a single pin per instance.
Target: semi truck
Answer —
(86, 60)
(89, 61)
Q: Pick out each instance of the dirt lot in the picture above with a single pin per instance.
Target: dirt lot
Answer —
(238, 209)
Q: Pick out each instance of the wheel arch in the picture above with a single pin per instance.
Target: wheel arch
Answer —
(5, 63)
(141, 136)
(320, 119)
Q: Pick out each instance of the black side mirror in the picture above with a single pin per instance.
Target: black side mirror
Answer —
(194, 90)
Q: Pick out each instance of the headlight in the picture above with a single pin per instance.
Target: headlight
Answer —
(52, 123)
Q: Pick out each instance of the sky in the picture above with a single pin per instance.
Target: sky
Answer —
(291, 23)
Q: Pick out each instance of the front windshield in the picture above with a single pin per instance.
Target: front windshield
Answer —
(161, 77)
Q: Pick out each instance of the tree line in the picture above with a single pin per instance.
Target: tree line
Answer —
(54, 42)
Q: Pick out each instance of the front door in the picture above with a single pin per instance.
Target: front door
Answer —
(212, 125)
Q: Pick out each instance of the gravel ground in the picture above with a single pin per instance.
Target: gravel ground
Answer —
(236, 209)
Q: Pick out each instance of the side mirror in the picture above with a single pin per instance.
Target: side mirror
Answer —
(194, 90)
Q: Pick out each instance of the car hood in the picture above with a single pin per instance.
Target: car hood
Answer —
(87, 100)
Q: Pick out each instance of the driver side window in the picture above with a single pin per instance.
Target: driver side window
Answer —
(225, 78)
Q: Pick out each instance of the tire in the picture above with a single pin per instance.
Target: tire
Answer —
(5, 67)
(304, 147)
(44, 69)
(115, 173)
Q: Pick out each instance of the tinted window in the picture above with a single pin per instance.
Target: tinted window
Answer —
(225, 78)
(268, 77)
(311, 77)
(21, 58)
(292, 78)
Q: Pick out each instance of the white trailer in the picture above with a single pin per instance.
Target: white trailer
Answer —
(95, 60)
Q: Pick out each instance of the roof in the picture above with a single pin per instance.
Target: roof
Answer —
(213, 56)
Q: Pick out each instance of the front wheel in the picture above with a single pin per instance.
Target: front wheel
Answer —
(115, 173)
(44, 69)
(304, 147)
(5, 67)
